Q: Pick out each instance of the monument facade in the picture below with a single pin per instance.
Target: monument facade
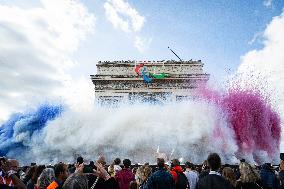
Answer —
(147, 81)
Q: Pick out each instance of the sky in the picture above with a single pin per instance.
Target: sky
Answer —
(48, 48)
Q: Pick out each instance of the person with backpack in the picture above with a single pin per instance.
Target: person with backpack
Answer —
(179, 177)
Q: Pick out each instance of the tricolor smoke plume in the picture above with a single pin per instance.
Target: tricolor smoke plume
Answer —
(239, 124)
(193, 129)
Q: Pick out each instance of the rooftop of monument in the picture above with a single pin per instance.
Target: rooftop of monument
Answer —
(150, 62)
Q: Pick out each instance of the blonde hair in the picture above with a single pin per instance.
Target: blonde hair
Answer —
(228, 174)
(248, 173)
(111, 170)
(143, 173)
(147, 172)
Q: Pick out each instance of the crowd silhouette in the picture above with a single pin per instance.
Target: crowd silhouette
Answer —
(124, 175)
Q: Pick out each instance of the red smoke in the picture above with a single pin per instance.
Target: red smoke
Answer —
(255, 123)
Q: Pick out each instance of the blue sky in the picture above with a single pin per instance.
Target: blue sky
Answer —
(217, 32)
(48, 48)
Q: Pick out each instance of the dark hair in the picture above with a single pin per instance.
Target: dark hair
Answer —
(133, 185)
(282, 156)
(25, 168)
(126, 163)
(268, 164)
(117, 161)
(214, 161)
(160, 162)
(80, 160)
(92, 164)
(37, 172)
(59, 168)
(2, 159)
(189, 165)
(30, 173)
(175, 162)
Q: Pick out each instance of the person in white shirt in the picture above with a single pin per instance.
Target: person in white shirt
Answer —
(191, 175)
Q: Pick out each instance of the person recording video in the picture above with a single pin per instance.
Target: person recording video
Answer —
(8, 177)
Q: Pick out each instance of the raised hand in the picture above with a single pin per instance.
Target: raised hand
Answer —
(79, 167)
(101, 172)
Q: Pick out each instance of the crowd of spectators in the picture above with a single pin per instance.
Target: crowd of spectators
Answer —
(123, 175)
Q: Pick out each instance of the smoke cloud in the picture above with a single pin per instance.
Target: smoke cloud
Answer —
(264, 68)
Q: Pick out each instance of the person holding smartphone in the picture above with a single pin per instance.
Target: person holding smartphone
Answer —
(8, 178)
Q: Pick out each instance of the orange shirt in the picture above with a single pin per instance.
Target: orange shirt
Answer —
(53, 185)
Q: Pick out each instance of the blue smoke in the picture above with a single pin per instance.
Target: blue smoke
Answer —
(16, 133)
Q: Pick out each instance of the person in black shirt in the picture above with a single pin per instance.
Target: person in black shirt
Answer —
(214, 179)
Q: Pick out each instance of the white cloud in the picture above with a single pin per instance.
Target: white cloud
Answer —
(115, 19)
(266, 66)
(35, 49)
(142, 44)
(123, 16)
(128, 19)
(267, 3)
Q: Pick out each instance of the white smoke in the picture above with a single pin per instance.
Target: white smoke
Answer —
(136, 131)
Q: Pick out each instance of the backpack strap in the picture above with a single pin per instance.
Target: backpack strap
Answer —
(181, 173)
(258, 185)
(175, 175)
